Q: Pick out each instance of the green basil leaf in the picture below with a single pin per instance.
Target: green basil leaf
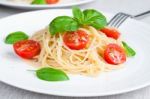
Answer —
(63, 24)
(94, 18)
(39, 2)
(15, 37)
(78, 14)
(50, 74)
(129, 51)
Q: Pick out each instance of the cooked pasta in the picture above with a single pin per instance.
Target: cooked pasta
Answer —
(89, 61)
(22, 1)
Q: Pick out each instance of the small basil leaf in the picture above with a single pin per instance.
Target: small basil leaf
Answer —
(129, 51)
(94, 18)
(63, 24)
(15, 37)
(39, 2)
(50, 74)
(78, 14)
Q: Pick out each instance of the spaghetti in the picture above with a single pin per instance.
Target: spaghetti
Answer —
(89, 61)
(22, 1)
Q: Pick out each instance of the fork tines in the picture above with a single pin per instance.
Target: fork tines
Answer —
(118, 19)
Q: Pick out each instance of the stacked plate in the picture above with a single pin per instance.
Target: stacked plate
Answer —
(62, 3)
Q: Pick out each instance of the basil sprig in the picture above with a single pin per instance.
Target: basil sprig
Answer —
(62, 24)
(50, 74)
(78, 15)
(15, 37)
(94, 18)
(39, 2)
(129, 51)
(89, 17)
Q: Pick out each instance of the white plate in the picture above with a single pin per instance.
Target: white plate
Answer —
(135, 74)
(62, 3)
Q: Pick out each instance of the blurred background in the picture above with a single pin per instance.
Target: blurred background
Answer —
(128, 6)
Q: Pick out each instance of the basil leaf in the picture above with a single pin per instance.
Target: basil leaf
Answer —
(78, 14)
(94, 18)
(39, 2)
(50, 74)
(15, 37)
(63, 24)
(89, 17)
(129, 51)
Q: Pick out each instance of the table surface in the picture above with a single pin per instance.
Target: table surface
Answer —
(129, 6)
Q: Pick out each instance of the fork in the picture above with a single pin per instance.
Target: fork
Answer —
(120, 17)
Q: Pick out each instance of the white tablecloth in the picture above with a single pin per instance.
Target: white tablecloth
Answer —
(129, 6)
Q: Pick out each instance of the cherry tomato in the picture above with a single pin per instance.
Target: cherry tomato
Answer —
(114, 54)
(111, 32)
(51, 1)
(76, 40)
(27, 48)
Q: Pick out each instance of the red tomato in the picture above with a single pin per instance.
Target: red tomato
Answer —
(27, 48)
(51, 1)
(114, 54)
(111, 32)
(76, 40)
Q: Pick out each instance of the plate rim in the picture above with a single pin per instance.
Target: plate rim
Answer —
(27, 6)
(80, 95)
(75, 95)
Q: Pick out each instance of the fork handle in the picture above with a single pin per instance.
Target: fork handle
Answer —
(141, 14)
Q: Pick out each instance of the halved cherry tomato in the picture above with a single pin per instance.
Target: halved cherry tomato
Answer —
(114, 54)
(111, 32)
(76, 40)
(27, 48)
(51, 1)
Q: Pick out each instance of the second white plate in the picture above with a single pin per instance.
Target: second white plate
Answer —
(62, 3)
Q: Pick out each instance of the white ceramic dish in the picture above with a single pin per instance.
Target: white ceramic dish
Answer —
(62, 3)
(133, 76)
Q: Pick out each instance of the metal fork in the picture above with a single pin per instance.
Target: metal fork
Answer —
(120, 17)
